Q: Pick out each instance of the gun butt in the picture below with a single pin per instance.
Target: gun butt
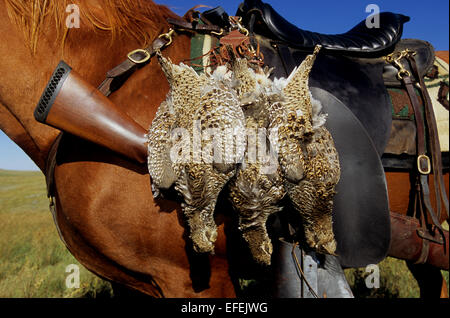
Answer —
(72, 105)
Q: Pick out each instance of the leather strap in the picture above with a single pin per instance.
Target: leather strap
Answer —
(419, 195)
(434, 144)
(422, 165)
(420, 124)
(119, 74)
(422, 204)
(50, 167)
(194, 27)
(286, 58)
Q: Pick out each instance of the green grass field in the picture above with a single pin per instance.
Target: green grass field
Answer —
(33, 259)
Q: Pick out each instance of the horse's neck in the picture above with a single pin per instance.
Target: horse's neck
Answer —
(24, 76)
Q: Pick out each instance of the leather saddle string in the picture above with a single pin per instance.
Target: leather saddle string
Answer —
(299, 267)
(420, 180)
(433, 142)
(421, 151)
(418, 204)
(118, 75)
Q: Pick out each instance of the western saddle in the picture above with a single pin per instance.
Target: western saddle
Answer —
(359, 41)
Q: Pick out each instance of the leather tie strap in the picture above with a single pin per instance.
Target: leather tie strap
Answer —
(421, 180)
(138, 58)
(194, 27)
(423, 163)
(119, 74)
(421, 188)
(421, 151)
(434, 143)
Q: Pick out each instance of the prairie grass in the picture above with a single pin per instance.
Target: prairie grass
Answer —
(33, 259)
(396, 281)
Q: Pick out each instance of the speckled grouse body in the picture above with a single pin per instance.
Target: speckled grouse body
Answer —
(307, 156)
(301, 161)
(181, 151)
(308, 167)
(258, 186)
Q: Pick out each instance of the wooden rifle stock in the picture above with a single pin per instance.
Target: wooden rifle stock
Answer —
(72, 105)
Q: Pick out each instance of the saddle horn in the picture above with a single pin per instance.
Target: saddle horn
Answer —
(72, 105)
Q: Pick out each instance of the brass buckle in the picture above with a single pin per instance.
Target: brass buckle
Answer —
(237, 24)
(145, 59)
(168, 36)
(419, 167)
(395, 58)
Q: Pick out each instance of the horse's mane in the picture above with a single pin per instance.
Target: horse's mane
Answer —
(141, 19)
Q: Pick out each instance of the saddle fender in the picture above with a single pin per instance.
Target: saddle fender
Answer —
(361, 220)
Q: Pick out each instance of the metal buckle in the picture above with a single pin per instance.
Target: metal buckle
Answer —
(395, 58)
(419, 167)
(168, 36)
(145, 59)
(237, 24)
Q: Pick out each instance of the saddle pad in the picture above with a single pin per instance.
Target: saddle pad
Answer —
(403, 132)
(441, 113)
(201, 45)
(361, 220)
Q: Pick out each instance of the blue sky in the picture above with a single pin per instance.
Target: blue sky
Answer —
(429, 21)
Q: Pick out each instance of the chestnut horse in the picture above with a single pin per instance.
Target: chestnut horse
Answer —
(106, 214)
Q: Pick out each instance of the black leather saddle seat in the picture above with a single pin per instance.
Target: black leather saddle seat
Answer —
(360, 40)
